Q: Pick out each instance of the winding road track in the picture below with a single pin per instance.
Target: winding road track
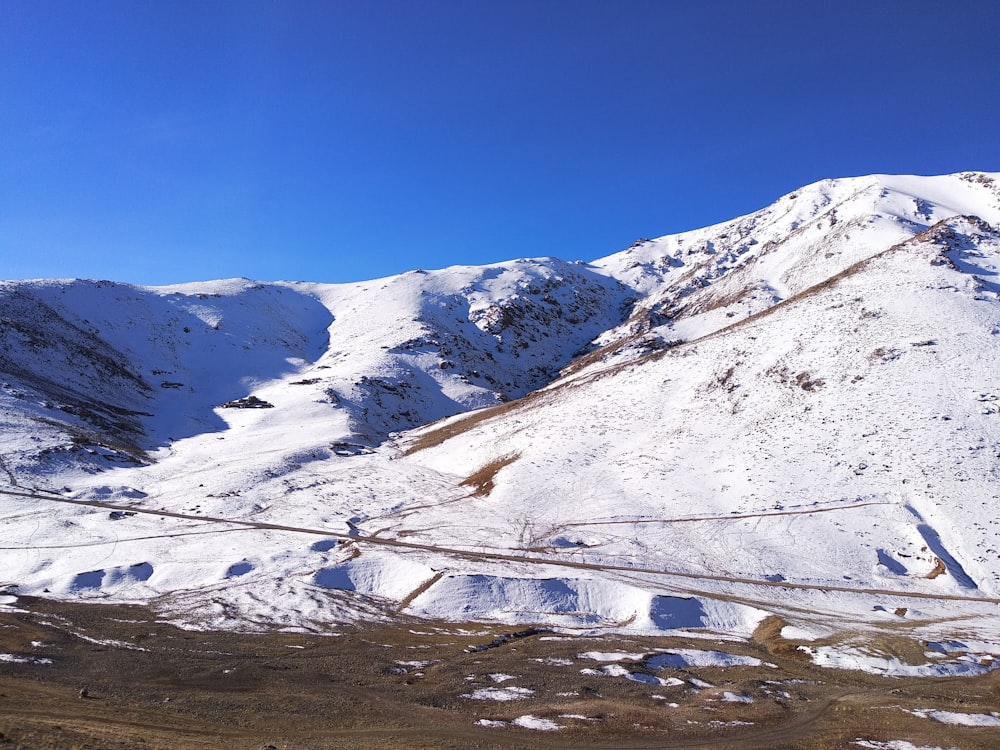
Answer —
(499, 556)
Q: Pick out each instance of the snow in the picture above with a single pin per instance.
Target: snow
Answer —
(555, 661)
(960, 719)
(375, 574)
(612, 655)
(109, 642)
(16, 659)
(847, 657)
(566, 601)
(673, 659)
(677, 658)
(510, 693)
(896, 745)
(682, 657)
(617, 670)
(792, 412)
(533, 722)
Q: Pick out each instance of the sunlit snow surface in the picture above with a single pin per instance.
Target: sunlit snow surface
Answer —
(796, 411)
(966, 720)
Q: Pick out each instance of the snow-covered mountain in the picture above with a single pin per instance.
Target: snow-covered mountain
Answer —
(796, 412)
(122, 369)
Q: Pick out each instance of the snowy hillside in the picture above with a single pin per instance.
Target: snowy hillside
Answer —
(796, 412)
(104, 371)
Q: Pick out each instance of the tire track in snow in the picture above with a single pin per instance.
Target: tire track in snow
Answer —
(730, 517)
(502, 557)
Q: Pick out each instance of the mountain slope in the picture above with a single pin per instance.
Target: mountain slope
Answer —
(793, 413)
(875, 390)
(107, 371)
(705, 279)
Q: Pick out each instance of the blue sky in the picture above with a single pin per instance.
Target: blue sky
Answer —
(158, 142)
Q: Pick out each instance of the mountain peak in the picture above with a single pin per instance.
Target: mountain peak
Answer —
(791, 411)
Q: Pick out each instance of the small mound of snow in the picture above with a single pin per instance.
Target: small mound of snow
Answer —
(564, 601)
(555, 661)
(499, 694)
(238, 569)
(617, 670)
(110, 578)
(417, 663)
(612, 656)
(577, 602)
(854, 658)
(15, 659)
(491, 723)
(90, 580)
(897, 745)
(678, 613)
(324, 545)
(533, 722)
(375, 574)
(687, 657)
(960, 719)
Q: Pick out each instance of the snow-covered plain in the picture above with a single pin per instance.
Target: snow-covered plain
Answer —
(796, 412)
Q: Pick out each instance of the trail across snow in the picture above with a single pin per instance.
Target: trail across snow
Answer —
(793, 413)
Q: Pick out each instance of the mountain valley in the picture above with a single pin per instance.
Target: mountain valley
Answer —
(778, 436)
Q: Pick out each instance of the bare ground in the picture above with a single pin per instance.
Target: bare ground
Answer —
(151, 685)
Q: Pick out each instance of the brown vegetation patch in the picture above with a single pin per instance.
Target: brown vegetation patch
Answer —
(408, 684)
(902, 647)
(482, 479)
(768, 635)
(450, 427)
(938, 569)
(808, 383)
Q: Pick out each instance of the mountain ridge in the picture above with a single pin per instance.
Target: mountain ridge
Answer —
(802, 395)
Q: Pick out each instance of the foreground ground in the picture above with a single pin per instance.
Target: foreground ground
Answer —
(109, 676)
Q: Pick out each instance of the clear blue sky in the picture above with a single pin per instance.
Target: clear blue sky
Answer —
(156, 142)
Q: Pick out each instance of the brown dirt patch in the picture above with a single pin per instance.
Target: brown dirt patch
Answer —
(402, 684)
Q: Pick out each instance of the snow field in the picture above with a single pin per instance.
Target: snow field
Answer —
(844, 441)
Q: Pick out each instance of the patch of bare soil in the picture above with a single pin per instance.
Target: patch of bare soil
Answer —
(413, 685)
(482, 479)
